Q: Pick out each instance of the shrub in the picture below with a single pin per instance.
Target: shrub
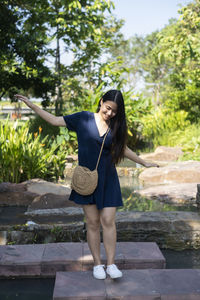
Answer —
(161, 125)
(47, 129)
(189, 140)
(136, 107)
(23, 156)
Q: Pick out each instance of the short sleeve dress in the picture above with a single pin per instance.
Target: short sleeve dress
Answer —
(108, 192)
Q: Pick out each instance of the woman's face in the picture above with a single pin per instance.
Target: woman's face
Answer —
(108, 109)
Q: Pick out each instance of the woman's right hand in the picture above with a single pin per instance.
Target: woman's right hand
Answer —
(50, 118)
(22, 98)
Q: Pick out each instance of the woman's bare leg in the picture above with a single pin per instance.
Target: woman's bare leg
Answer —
(92, 216)
(107, 218)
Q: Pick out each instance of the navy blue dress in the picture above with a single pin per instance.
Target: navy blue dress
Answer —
(107, 193)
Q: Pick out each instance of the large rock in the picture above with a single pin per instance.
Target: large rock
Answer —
(180, 172)
(50, 201)
(127, 171)
(64, 211)
(37, 193)
(12, 194)
(163, 153)
(179, 194)
(198, 196)
(69, 169)
(173, 230)
(41, 187)
(43, 233)
(50, 196)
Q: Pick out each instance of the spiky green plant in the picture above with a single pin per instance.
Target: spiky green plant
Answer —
(24, 156)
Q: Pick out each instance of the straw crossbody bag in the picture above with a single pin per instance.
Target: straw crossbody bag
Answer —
(84, 181)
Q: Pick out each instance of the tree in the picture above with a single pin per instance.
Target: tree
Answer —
(179, 47)
(22, 51)
(128, 52)
(82, 27)
(136, 53)
(167, 61)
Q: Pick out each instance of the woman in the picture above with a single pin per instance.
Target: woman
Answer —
(100, 207)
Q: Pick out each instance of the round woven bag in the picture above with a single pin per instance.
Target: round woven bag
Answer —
(84, 181)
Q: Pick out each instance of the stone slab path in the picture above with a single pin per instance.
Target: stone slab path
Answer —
(44, 260)
(178, 284)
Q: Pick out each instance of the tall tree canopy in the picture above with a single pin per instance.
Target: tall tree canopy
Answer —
(168, 62)
(27, 27)
(179, 47)
(22, 50)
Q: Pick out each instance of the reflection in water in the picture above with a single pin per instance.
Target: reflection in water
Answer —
(14, 215)
(134, 202)
(185, 259)
(26, 289)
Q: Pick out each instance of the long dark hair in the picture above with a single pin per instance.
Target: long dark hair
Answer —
(117, 124)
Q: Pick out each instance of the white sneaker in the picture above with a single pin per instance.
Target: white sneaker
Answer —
(113, 271)
(99, 272)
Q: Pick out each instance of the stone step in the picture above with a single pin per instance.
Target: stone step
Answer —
(152, 284)
(44, 260)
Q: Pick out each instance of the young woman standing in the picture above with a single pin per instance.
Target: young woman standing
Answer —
(100, 207)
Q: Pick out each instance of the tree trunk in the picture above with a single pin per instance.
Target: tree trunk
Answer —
(59, 100)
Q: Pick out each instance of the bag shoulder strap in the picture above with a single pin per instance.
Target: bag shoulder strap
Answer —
(102, 148)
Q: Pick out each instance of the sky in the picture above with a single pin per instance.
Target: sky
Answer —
(141, 17)
(145, 16)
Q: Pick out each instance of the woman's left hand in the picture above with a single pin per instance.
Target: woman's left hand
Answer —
(149, 165)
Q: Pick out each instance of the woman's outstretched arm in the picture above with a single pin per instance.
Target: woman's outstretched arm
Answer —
(50, 118)
(128, 153)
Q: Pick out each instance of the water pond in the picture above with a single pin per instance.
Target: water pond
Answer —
(132, 202)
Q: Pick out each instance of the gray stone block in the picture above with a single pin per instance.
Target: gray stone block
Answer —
(181, 284)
